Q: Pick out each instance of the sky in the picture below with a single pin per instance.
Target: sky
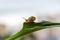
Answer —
(13, 11)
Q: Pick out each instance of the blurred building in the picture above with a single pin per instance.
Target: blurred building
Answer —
(3, 32)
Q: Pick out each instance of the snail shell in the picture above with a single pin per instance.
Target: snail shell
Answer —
(30, 19)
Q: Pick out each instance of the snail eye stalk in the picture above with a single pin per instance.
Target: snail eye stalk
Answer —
(30, 19)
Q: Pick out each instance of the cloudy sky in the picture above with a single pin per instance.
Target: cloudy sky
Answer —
(28, 6)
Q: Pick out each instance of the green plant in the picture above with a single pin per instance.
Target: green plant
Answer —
(31, 27)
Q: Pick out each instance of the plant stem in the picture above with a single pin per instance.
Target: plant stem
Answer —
(31, 27)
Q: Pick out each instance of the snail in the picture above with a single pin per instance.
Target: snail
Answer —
(30, 19)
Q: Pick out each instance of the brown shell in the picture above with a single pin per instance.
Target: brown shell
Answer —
(30, 19)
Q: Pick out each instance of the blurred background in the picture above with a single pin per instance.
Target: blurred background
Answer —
(13, 11)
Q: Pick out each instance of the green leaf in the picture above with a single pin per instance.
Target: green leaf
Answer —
(31, 27)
